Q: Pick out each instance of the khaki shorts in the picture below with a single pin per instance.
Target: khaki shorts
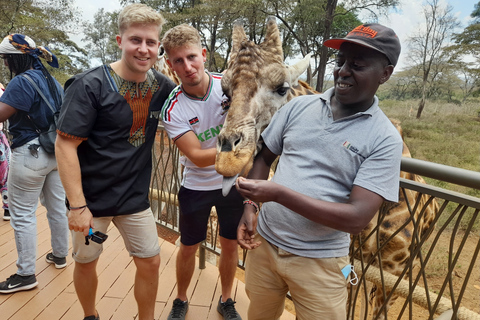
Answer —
(317, 286)
(138, 230)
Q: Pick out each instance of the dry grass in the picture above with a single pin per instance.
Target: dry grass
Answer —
(446, 133)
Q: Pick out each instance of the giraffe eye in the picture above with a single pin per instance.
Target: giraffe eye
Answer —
(283, 89)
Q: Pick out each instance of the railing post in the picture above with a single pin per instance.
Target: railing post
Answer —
(201, 257)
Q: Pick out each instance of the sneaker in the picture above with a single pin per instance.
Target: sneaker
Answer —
(227, 309)
(6, 214)
(179, 310)
(59, 262)
(92, 317)
(17, 282)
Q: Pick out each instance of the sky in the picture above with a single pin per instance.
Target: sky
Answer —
(404, 21)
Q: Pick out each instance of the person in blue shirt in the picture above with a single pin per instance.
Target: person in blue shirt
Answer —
(347, 154)
(32, 172)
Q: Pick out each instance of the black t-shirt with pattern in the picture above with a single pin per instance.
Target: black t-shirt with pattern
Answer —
(118, 124)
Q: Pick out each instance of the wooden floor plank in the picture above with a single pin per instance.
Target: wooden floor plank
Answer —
(127, 309)
(59, 306)
(205, 287)
(55, 298)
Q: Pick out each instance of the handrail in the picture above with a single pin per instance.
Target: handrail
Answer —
(442, 172)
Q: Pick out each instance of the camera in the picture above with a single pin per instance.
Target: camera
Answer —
(96, 236)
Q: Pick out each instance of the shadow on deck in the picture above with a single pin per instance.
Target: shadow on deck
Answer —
(55, 298)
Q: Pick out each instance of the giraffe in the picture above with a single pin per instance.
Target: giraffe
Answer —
(162, 66)
(258, 84)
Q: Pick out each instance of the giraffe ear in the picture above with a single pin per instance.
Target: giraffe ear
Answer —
(272, 42)
(238, 35)
(299, 68)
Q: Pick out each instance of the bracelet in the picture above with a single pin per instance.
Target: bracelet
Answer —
(77, 208)
(250, 202)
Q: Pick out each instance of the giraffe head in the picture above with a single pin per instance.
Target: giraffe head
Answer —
(258, 83)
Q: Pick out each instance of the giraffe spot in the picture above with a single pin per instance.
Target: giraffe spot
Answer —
(407, 233)
(386, 224)
(399, 257)
(388, 264)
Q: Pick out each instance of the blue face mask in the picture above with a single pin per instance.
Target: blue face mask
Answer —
(346, 272)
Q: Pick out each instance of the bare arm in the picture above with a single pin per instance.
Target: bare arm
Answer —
(248, 223)
(6, 111)
(350, 217)
(189, 145)
(70, 174)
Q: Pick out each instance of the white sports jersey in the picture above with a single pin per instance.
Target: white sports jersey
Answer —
(205, 117)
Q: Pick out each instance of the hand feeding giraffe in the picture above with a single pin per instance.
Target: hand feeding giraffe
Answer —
(258, 84)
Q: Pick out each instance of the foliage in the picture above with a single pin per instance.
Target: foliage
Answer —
(453, 75)
(47, 23)
(428, 43)
(476, 12)
(467, 44)
(100, 37)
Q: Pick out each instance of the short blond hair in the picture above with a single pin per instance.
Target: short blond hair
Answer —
(181, 35)
(139, 13)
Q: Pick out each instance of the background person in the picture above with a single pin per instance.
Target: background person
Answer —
(347, 155)
(106, 130)
(32, 171)
(4, 165)
(4, 160)
(193, 116)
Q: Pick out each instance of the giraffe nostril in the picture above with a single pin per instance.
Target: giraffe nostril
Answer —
(237, 142)
(226, 146)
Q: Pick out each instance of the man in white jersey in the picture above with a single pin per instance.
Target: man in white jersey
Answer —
(193, 116)
(346, 154)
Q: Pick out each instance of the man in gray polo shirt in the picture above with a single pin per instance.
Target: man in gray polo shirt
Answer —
(340, 159)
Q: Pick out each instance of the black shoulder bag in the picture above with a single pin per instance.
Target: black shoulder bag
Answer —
(46, 138)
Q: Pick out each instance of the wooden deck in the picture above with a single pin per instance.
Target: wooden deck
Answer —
(55, 297)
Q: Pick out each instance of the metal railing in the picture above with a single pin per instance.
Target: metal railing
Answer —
(439, 274)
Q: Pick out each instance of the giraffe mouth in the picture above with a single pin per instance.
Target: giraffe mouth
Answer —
(227, 184)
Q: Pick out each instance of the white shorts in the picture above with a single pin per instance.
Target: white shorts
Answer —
(138, 230)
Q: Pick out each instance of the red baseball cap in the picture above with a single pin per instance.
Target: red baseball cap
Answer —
(374, 36)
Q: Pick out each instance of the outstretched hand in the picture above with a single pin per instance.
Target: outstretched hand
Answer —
(257, 190)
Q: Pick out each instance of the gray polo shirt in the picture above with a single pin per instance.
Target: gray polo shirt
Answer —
(323, 159)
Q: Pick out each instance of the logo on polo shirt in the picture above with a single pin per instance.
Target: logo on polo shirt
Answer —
(193, 121)
(349, 146)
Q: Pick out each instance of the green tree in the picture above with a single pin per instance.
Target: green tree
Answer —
(467, 44)
(100, 37)
(306, 27)
(429, 43)
(47, 22)
(374, 7)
